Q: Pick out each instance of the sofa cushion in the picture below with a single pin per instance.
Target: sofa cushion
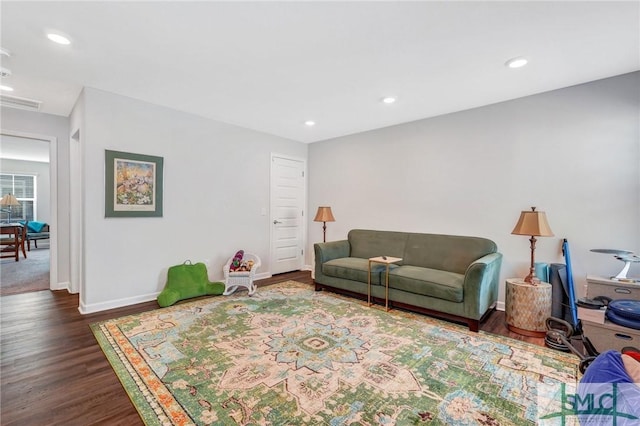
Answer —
(446, 252)
(428, 282)
(353, 268)
(366, 243)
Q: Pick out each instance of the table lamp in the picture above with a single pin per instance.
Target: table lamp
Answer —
(533, 223)
(324, 215)
(9, 201)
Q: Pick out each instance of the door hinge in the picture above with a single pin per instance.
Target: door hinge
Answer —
(302, 251)
(303, 173)
(302, 212)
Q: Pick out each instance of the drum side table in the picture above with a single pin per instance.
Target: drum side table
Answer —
(527, 307)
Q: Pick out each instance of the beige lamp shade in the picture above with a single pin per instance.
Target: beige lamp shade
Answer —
(9, 200)
(533, 223)
(324, 215)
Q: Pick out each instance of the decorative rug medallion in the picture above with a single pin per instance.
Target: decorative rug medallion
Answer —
(291, 356)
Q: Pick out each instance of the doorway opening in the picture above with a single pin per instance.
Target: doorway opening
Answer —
(28, 171)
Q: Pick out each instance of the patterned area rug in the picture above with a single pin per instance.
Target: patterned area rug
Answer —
(290, 355)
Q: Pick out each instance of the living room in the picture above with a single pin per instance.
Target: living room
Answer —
(572, 152)
(453, 167)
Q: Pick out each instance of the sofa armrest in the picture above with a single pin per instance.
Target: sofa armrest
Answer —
(328, 251)
(481, 285)
(331, 250)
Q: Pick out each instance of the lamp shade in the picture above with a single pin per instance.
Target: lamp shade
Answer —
(533, 223)
(9, 200)
(324, 215)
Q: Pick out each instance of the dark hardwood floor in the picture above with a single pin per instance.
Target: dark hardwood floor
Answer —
(53, 372)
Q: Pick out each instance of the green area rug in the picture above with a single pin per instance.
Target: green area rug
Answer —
(293, 356)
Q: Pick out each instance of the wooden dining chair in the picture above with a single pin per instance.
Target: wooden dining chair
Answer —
(22, 237)
(9, 244)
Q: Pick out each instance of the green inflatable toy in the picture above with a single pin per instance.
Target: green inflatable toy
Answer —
(186, 281)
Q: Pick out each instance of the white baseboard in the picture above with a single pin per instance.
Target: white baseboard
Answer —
(112, 304)
(61, 286)
(500, 306)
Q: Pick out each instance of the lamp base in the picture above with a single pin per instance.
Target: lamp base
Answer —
(532, 279)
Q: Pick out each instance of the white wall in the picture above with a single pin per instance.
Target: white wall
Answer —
(216, 181)
(574, 153)
(43, 186)
(53, 126)
(76, 185)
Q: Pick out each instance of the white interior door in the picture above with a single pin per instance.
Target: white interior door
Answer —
(287, 214)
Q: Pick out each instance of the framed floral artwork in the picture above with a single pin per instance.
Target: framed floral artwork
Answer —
(133, 185)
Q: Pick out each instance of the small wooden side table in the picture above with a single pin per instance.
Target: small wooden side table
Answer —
(527, 307)
(387, 260)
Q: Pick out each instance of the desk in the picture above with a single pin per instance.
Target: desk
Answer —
(9, 240)
(387, 260)
(527, 307)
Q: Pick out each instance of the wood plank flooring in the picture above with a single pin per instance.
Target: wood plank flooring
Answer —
(52, 371)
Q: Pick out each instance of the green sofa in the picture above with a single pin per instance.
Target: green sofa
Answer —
(448, 276)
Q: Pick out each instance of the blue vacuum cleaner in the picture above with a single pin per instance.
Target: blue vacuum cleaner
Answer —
(561, 332)
(573, 303)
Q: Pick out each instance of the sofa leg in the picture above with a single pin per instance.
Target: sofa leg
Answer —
(28, 245)
(474, 325)
(35, 242)
(318, 287)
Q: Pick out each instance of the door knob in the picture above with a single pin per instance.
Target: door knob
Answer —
(275, 222)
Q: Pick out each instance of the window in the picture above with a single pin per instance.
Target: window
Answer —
(23, 187)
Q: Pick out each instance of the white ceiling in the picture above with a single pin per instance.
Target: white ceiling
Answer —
(270, 66)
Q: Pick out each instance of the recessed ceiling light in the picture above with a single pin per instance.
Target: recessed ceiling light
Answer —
(310, 123)
(389, 99)
(6, 88)
(516, 62)
(57, 38)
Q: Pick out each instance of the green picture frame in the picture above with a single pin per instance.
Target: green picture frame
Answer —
(133, 185)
